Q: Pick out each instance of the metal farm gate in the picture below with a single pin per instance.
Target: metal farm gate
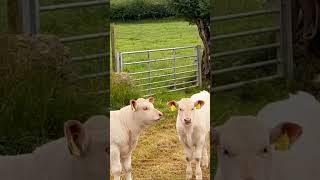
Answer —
(32, 10)
(282, 46)
(163, 70)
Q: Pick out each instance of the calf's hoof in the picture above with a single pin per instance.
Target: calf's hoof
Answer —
(189, 175)
(199, 177)
(205, 163)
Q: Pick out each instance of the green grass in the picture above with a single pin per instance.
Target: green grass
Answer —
(146, 35)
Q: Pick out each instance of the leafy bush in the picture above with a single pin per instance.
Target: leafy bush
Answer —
(122, 90)
(140, 9)
(37, 94)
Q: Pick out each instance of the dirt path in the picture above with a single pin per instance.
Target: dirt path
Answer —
(159, 155)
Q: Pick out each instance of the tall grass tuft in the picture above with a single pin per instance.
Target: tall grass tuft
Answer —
(37, 94)
(122, 90)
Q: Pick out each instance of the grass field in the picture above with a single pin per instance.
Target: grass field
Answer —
(159, 154)
(146, 35)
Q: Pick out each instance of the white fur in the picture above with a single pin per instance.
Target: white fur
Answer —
(53, 161)
(301, 162)
(244, 135)
(125, 128)
(194, 136)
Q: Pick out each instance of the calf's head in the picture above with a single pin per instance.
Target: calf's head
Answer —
(186, 109)
(144, 111)
(87, 145)
(245, 147)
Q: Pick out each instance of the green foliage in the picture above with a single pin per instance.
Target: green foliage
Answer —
(37, 95)
(140, 9)
(192, 9)
(122, 90)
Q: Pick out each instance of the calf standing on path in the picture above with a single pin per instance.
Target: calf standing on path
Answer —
(193, 125)
(126, 125)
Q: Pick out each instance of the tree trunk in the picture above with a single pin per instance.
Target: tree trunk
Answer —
(204, 32)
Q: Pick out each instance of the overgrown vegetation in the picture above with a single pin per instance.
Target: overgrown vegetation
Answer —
(36, 99)
(38, 93)
(122, 90)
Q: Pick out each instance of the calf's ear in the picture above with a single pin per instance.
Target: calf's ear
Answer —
(198, 104)
(151, 99)
(172, 105)
(133, 104)
(77, 138)
(284, 135)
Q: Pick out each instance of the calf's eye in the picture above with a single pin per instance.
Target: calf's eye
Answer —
(145, 108)
(181, 109)
(226, 152)
(265, 150)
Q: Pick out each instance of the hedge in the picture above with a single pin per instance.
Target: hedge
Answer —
(140, 9)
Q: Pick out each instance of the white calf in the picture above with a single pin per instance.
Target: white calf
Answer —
(246, 150)
(80, 155)
(126, 125)
(193, 125)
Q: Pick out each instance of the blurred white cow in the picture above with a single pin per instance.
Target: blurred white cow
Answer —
(80, 155)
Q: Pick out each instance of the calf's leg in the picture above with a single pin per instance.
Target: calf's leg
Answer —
(205, 157)
(115, 163)
(127, 167)
(188, 156)
(197, 157)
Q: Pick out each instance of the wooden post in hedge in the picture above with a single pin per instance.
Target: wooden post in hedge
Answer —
(14, 15)
(113, 48)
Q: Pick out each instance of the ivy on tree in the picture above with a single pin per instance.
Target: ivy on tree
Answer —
(197, 12)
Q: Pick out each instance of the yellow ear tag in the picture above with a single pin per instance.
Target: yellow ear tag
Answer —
(133, 109)
(173, 108)
(198, 106)
(73, 148)
(283, 143)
